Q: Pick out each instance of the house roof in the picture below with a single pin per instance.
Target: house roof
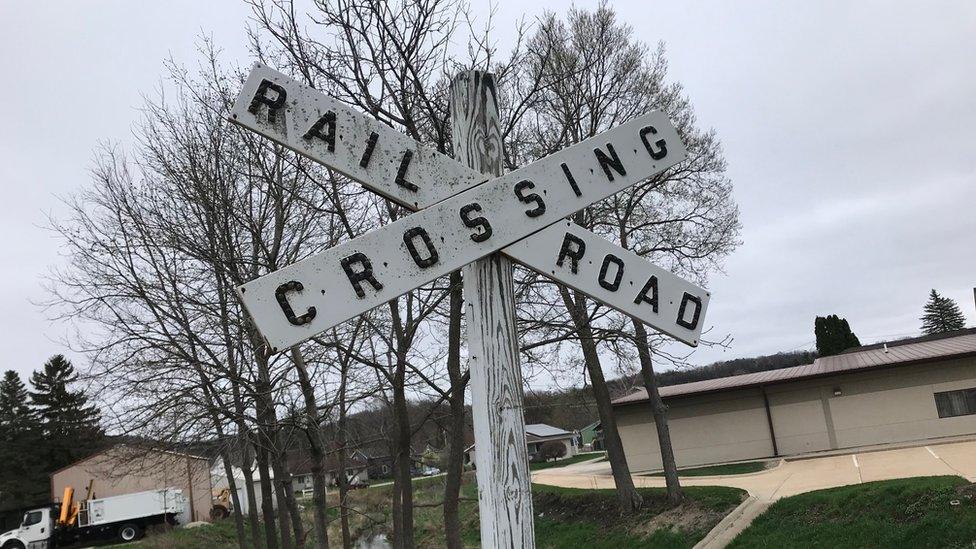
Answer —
(541, 430)
(535, 432)
(595, 426)
(957, 344)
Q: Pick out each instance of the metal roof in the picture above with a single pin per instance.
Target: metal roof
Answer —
(923, 349)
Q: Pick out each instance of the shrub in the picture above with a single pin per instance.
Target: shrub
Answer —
(552, 450)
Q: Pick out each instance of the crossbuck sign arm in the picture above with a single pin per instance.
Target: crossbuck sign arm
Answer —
(370, 270)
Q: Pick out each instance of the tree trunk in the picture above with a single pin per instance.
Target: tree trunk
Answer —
(282, 511)
(284, 484)
(455, 455)
(234, 498)
(627, 496)
(342, 440)
(660, 413)
(504, 487)
(267, 493)
(317, 451)
(216, 418)
(252, 503)
(244, 438)
(402, 483)
(287, 511)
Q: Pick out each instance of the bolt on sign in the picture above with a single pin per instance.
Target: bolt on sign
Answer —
(460, 217)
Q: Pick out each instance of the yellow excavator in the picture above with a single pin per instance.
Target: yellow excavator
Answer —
(222, 506)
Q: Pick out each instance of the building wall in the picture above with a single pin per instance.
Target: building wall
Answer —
(125, 470)
(884, 406)
(724, 427)
(901, 406)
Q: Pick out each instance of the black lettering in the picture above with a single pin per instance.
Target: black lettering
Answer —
(316, 130)
(573, 248)
(281, 294)
(642, 297)
(662, 146)
(261, 98)
(357, 277)
(477, 222)
(368, 153)
(571, 179)
(612, 161)
(401, 178)
(408, 239)
(612, 286)
(685, 300)
(540, 205)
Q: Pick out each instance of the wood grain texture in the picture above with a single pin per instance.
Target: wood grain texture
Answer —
(504, 485)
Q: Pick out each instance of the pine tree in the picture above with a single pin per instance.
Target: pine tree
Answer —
(941, 314)
(22, 478)
(69, 424)
(833, 335)
(13, 401)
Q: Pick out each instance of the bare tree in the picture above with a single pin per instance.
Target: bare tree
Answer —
(597, 76)
(156, 257)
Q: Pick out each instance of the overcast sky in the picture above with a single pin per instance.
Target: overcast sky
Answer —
(848, 128)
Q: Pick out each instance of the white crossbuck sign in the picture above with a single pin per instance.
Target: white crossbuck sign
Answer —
(460, 217)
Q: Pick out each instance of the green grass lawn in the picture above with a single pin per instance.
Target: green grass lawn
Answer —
(565, 517)
(572, 518)
(220, 535)
(578, 458)
(728, 469)
(915, 512)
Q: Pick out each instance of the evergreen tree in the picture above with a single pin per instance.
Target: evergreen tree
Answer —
(13, 401)
(941, 314)
(833, 335)
(22, 478)
(69, 424)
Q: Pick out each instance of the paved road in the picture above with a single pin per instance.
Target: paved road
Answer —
(803, 475)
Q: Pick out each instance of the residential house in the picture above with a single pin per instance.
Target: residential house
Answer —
(300, 467)
(591, 437)
(536, 435)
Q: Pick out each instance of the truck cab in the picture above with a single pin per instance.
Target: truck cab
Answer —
(34, 532)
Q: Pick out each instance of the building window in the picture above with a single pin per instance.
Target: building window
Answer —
(956, 403)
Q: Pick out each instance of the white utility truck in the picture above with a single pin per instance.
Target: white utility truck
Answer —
(122, 517)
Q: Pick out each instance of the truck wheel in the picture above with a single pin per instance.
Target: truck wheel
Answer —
(14, 544)
(129, 532)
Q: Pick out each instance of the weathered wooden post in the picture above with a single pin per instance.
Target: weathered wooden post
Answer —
(504, 486)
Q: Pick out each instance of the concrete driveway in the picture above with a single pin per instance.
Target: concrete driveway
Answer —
(799, 475)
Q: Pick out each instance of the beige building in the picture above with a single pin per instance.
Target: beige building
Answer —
(908, 390)
(125, 469)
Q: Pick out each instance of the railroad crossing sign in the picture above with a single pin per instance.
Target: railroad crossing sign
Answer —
(460, 217)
